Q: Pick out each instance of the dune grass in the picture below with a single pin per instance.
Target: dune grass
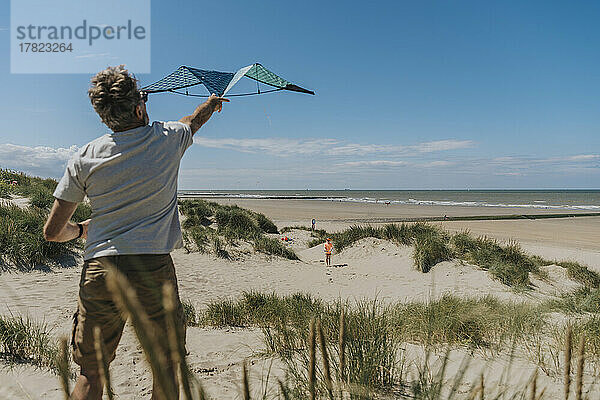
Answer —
(22, 244)
(233, 224)
(401, 234)
(286, 229)
(580, 301)
(38, 190)
(373, 335)
(23, 340)
(5, 191)
(340, 351)
(200, 236)
(429, 249)
(21, 241)
(476, 322)
(274, 247)
(581, 273)
(479, 322)
(507, 263)
(191, 315)
(261, 309)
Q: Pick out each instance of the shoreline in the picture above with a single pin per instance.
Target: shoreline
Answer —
(578, 233)
(411, 202)
(380, 212)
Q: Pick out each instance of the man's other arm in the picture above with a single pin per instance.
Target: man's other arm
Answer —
(58, 228)
(203, 112)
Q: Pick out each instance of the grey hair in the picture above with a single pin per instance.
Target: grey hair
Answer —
(114, 95)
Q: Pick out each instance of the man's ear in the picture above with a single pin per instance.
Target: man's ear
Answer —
(139, 112)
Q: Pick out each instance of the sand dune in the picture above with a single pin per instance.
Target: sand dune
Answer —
(370, 268)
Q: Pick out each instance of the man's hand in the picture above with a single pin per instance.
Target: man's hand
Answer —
(203, 112)
(85, 225)
(217, 102)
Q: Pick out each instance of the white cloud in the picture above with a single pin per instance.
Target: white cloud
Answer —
(285, 147)
(42, 160)
(373, 163)
(583, 157)
(439, 163)
(508, 173)
(443, 145)
(273, 146)
(586, 157)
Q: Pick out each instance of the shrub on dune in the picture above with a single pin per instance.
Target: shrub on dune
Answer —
(428, 250)
(348, 237)
(507, 263)
(274, 247)
(510, 274)
(197, 213)
(224, 313)
(21, 178)
(233, 224)
(5, 191)
(200, 236)
(265, 224)
(581, 273)
(400, 234)
(190, 313)
(24, 340)
(218, 247)
(21, 240)
(582, 300)
(41, 198)
(287, 229)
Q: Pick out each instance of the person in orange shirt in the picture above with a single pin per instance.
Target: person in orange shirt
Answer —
(328, 250)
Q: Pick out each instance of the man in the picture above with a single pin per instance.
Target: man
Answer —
(328, 250)
(130, 178)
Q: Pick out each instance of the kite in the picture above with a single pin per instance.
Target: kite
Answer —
(220, 83)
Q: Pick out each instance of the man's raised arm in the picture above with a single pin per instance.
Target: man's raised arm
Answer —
(203, 112)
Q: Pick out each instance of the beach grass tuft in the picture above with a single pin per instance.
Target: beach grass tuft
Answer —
(274, 247)
(234, 224)
(23, 340)
(429, 249)
(199, 236)
(22, 245)
(218, 247)
(580, 301)
(581, 273)
(190, 313)
(479, 322)
(507, 263)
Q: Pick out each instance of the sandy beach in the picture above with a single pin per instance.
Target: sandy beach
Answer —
(370, 268)
(581, 233)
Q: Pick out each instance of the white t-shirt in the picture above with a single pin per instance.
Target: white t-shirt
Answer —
(130, 179)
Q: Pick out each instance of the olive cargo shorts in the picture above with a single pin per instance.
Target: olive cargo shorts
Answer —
(146, 273)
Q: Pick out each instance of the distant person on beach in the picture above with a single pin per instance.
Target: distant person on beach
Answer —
(328, 250)
(314, 222)
(130, 179)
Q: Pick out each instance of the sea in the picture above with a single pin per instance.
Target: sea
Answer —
(527, 199)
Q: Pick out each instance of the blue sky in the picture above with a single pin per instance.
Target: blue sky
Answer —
(410, 95)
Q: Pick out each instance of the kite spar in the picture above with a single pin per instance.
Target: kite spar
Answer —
(220, 83)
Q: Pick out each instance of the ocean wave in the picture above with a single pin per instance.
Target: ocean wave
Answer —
(537, 204)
